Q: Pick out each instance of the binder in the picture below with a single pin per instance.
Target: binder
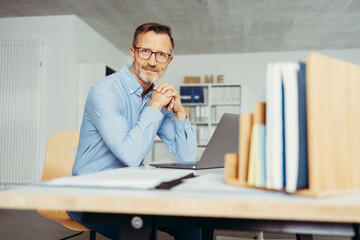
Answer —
(191, 94)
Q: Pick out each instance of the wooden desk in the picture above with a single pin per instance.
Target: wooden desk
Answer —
(248, 210)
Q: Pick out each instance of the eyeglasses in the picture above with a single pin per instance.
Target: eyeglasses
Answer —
(145, 54)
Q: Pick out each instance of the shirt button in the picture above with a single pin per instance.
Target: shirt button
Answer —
(131, 91)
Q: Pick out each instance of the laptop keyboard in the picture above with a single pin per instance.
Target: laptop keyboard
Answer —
(184, 163)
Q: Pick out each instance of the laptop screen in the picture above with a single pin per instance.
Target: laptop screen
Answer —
(225, 139)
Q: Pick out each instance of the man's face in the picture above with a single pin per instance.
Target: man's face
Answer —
(150, 70)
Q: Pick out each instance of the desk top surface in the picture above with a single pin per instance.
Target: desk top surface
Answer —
(237, 203)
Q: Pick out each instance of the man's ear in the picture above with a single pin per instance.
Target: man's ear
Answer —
(132, 53)
(171, 58)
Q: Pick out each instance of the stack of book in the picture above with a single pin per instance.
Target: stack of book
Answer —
(306, 140)
(273, 152)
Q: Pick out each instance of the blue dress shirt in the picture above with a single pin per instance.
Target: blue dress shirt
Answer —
(118, 128)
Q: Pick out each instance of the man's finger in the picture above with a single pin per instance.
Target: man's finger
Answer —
(159, 86)
(170, 94)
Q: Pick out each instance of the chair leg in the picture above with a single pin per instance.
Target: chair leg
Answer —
(207, 234)
(71, 236)
(92, 235)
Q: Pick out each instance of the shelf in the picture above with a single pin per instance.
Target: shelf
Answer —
(194, 104)
(211, 85)
(219, 98)
(226, 104)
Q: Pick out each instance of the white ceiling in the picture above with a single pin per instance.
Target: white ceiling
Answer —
(214, 26)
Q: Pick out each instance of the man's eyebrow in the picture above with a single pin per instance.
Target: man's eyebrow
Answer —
(157, 51)
(148, 48)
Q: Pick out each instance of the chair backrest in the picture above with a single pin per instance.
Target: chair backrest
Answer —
(59, 160)
(60, 155)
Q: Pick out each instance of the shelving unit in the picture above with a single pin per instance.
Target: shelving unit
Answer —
(217, 100)
(212, 104)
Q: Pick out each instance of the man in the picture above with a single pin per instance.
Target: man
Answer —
(125, 111)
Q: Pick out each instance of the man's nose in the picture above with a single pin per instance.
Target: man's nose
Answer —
(152, 59)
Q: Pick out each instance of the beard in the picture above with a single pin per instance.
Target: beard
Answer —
(143, 76)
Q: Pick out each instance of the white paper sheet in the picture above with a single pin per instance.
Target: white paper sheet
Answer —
(211, 182)
(130, 177)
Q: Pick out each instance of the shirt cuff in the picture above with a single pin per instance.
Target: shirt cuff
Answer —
(182, 124)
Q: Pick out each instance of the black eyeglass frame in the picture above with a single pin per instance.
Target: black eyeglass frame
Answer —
(138, 48)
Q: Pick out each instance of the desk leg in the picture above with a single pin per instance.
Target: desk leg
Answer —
(303, 237)
(357, 232)
(138, 227)
(92, 235)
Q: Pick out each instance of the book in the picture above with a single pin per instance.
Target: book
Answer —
(256, 172)
(245, 126)
(274, 129)
(253, 158)
(262, 156)
(296, 166)
(286, 142)
(303, 172)
(269, 122)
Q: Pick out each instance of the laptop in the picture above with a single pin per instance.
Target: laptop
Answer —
(225, 139)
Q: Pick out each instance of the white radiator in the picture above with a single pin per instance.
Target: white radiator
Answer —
(20, 102)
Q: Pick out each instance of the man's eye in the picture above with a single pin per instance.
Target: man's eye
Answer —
(160, 54)
(146, 50)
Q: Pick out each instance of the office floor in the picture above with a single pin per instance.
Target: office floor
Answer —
(20, 224)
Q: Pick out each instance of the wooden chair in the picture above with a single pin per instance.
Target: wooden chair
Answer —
(60, 157)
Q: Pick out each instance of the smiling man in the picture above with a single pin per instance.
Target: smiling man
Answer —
(125, 111)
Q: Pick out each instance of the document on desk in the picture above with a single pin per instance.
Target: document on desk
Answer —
(130, 177)
(211, 183)
(215, 183)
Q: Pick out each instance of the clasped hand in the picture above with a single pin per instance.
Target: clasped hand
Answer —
(165, 95)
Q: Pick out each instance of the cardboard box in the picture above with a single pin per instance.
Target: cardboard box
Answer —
(188, 111)
(192, 80)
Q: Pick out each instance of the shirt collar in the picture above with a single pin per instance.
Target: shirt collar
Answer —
(133, 86)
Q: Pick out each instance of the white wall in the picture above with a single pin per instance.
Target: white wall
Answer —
(91, 47)
(68, 42)
(59, 84)
(248, 69)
